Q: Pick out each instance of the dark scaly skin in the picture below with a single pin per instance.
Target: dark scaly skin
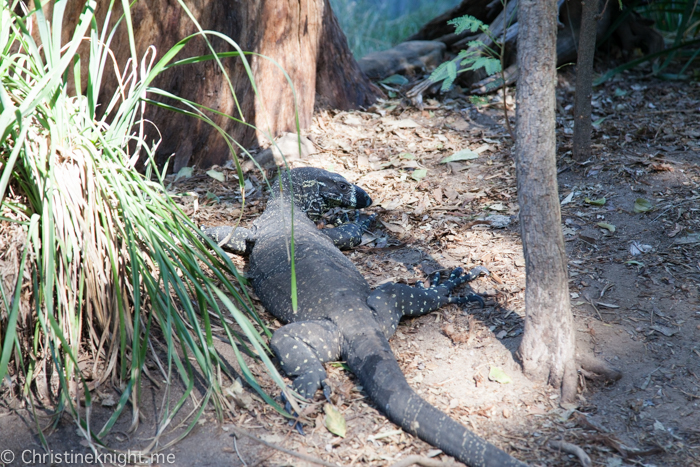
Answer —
(315, 192)
(339, 317)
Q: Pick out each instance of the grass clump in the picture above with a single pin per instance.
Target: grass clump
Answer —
(95, 258)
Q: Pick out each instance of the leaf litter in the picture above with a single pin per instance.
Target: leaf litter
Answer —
(433, 216)
(439, 219)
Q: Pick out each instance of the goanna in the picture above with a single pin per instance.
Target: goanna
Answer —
(338, 316)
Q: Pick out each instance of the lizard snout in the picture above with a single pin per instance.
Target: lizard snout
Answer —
(362, 198)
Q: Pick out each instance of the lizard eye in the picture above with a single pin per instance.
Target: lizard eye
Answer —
(343, 186)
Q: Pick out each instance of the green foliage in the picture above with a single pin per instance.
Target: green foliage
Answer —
(372, 25)
(679, 23)
(111, 263)
(478, 55)
(478, 100)
(467, 23)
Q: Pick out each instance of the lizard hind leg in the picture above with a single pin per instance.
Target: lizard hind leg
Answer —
(392, 301)
(302, 348)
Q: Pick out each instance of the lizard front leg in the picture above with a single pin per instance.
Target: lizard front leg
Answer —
(302, 348)
(349, 234)
(238, 240)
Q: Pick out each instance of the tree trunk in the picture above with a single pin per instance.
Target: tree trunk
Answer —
(548, 346)
(302, 36)
(584, 82)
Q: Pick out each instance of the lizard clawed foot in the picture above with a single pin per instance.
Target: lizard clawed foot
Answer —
(326, 391)
(295, 422)
(457, 277)
(472, 297)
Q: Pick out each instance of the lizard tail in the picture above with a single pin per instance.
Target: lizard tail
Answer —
(369, 356)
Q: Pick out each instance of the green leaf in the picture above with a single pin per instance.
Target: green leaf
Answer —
(642, 205)
(466, 23)
(474, 44)
(620, 93)
(216, 175)
(342, 365)
(407, 155)
(334, 420)
(419, 174)
(478, 100)
(597, 123)
(605, 225)
(490, 65)
(463, 155)
(498, 375)
(447, 73)
(595, 202)
(185, 172)
(395, 79)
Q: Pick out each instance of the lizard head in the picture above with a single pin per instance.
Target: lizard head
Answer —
(317, 191)
(337, 191)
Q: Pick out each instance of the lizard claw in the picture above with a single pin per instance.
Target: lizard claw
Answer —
(326, 391)
(295, 422)
(471, 297)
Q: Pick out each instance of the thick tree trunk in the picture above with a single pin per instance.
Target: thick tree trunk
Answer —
(584, 82)
(301, 36)
(548, 346)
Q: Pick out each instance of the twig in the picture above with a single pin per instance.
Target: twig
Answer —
(572, 449)
(590, 302)
(675, 205)
(235, 445)
(299, 455)
(692, 396)
(424, 461)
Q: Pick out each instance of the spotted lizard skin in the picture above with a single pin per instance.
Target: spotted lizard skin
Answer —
(316, 191)
(339, 317)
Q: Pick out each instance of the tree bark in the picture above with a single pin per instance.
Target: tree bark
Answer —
(584, 81)
(548, 346)
(302, 36)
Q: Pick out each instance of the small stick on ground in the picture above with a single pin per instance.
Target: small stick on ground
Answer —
(424, 461)
(235, 445)
(572, 449)
(306, 457)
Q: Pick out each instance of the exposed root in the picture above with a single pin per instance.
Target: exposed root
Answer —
(596, 369)
(572, 449)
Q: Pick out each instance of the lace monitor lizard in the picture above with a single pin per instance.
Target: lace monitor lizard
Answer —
(338, 316)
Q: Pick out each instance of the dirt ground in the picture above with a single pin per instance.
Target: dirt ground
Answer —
(633, 280)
